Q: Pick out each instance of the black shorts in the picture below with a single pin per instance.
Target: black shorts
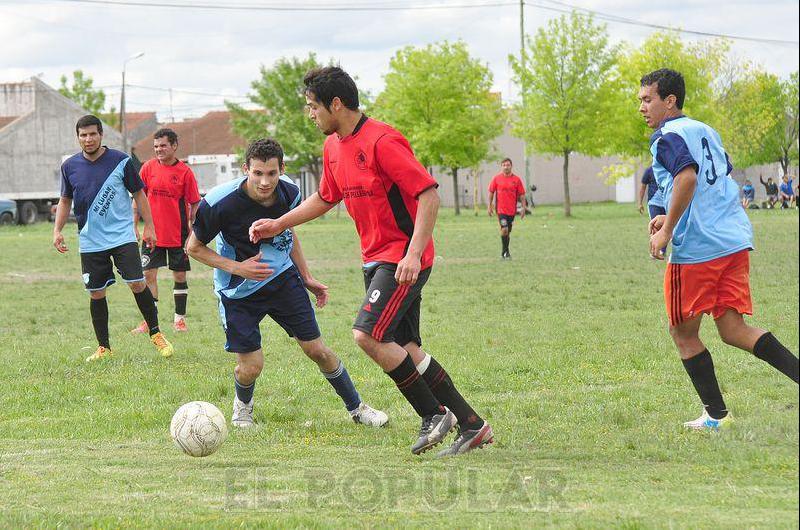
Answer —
(98, 272)
(284, 299)
(506, 221)
(390, 312)
(153, 258)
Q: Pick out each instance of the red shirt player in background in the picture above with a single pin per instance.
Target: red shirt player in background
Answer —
(173, 196)
(509, 189)
(393, 201)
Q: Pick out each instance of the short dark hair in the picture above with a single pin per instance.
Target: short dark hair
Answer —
(503, 161)
(331, 82)
(172, 137)
(88, 121)
(668, 82)
(264, 149)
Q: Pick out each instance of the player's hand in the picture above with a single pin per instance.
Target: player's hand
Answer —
(264, 228)
(408, 270)
(641, 209)
(656, 223)
(253, 269)
(658, 241)
(318, 289)
(58, 242)
(522, 214)
(491, 213)
(138, 234)
(149, 236)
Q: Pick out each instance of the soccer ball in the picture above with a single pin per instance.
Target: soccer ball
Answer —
(198, 428)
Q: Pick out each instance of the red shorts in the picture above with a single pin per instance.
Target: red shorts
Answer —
(712, 287)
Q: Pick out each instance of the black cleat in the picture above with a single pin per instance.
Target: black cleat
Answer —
(469, 440)
(433, 430)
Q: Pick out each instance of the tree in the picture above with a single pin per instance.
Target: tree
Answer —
(441, 99)
(785, 138)
(627, 135)
(563, 79)
(278, 93)
(83, 93)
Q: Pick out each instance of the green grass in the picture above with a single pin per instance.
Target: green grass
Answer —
(564, 350)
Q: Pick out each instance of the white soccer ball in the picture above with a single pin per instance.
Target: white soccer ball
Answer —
(198, 428)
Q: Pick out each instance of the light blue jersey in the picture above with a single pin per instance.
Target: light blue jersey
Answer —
(226, 213)
(714, 224)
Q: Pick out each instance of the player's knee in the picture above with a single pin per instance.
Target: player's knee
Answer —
(137, 287)
(317, 351)
(504, 231)
(364, 341)
(248, 371)
(97, 295)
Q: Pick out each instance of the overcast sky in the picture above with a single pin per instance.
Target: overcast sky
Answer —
(219, 52)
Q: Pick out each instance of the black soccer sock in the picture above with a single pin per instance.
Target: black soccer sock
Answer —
(771, 351)
(701, 371)
(505, 240)
(147, 306)
(445, 391)
(414, 389)
(181, 293)
(244, 392)
(99, 312)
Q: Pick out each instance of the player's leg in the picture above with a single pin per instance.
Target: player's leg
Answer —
(240, 318)
(504, 238)
(179, 264)
(733, 301)
(98, 273)
(152, 259)
(385, 305)
(129, 266)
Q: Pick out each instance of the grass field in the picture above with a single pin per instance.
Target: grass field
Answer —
(564, 350)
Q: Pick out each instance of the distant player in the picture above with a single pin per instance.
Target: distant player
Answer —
(266, 278)
(99, 181)
(173, 196)
(748, 194)
(393, 201)
(655, 197)
(709, 268)
(508, 189)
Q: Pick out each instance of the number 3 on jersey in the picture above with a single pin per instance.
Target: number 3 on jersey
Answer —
(707, 152)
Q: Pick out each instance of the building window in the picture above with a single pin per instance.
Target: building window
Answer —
(223, 169)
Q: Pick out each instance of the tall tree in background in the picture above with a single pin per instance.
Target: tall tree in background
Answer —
(564, 87)
(279, 92)
(627, 135)
(788, 134)
(441, 99)
(84, 94)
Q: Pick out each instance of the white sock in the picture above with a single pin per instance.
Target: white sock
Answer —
(423, 364)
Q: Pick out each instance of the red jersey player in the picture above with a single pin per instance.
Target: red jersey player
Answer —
(393, 201)
(173, 196)
(508, 189)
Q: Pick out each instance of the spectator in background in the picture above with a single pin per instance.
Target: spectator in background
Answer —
(772, 191)
(655, 199)
(748, 193)
(787, 195)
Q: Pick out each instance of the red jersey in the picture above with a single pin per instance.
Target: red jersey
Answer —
(508, 189)
(170, 190)
(376, 174)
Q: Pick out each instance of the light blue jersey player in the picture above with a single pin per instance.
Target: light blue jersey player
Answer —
(709, 269)
(269, 277)
(100, 182)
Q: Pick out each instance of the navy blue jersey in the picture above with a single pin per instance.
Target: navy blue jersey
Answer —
(226, 214)
(714, 224)
(100, 196)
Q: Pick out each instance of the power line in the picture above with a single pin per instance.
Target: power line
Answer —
(289, 7)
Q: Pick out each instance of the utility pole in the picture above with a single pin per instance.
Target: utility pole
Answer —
(522, 90)
(171, 114)
(123, 125)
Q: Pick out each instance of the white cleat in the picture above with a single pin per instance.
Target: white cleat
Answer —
(242, 414)
(366, 415)
(707, 423)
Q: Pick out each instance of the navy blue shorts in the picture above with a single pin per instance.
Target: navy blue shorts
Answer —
(286, 302)
(656, 210)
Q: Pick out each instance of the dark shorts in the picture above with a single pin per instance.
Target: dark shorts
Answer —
(98, 272)
(656, 210)
(153, 258)
(286, 302)
(390, 312)
(506, 221)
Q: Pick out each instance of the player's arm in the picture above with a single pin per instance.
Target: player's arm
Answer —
(143, 207)
(251, 268)
(491, 203)
(193, 211)
(136, 220)
(318, 289)
(62, 214)
(427, 209)
(524, 201)
(311, 208)
(642, 191)
(662, 226)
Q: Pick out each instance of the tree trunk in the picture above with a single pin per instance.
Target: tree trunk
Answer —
(455, 189)
(567, 202)
(785, 162)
